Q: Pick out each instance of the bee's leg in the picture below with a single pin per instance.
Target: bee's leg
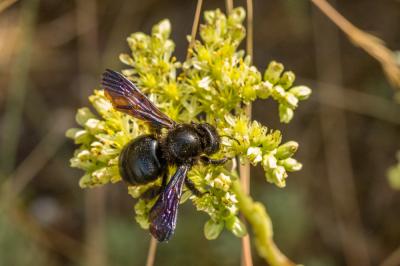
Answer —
(151, 193)
(154, 191)
(190, 185)
(208, 160)
(164, 179)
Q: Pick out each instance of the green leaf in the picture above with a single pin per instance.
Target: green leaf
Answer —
(213, 229)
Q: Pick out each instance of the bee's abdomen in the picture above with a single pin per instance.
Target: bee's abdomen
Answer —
(140, 161)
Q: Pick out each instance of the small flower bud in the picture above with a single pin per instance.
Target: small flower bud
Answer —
(162, 29)
(70, 133)
(265, 90)
(83, 115)
(279, 175)
(273, 72)
(126, 59)
(209, 16)
(82, 136)
(291, 100)
(237, 15)
(204, 83)
(102, 105)
(213, 229)
(291, 165)
(138, 40)
(301, 92)
(222, 182)
(249, 93)
(236, 226)
(287, 150)
(269, 162)
(85, 181)
(287, 79)
(278, 92)
(94, 125)
(254, 154)
(285, 113)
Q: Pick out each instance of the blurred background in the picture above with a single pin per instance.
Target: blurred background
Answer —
(339, 210)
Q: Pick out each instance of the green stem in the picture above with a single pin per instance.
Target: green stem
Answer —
(257, 216)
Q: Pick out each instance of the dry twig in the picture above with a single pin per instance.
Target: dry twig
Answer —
(86, 16)
(337, 155)
(195, 26)
(151, 255)
(371, 44)
(6, 4)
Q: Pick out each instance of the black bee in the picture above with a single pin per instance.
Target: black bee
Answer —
(147, 157)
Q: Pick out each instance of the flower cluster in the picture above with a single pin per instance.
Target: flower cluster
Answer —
(214, 85)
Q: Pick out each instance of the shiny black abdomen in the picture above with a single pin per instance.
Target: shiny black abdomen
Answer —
(140, 161)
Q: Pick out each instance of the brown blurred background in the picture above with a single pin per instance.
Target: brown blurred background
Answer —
(339, 210)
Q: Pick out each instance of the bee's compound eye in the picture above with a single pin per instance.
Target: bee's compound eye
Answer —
(210, 138)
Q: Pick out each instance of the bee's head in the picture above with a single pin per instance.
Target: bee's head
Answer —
(209, 138)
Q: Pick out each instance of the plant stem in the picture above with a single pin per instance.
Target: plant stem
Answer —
(249, 28)
(194, 28)
(257, 216)
(229, 6)
(151, 255)
(244, 169)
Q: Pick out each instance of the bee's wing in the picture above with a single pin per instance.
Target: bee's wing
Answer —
(127, 98)
(164, 212)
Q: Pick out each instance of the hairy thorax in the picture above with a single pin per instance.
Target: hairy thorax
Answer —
(182, 144)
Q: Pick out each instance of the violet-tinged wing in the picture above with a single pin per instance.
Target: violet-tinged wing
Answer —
(163, 215)
(127, 98)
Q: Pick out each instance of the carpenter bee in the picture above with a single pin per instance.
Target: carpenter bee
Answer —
(147, 157)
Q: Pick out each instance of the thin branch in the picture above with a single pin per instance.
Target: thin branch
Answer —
(336, 149)
(195, 26)
(17, 89)
(250, 39)
(244, 169)
(88, 55)
(369, 43)
(6, 4)
(35, 161)
(229, 6)
(393, 259)
(151, 255)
